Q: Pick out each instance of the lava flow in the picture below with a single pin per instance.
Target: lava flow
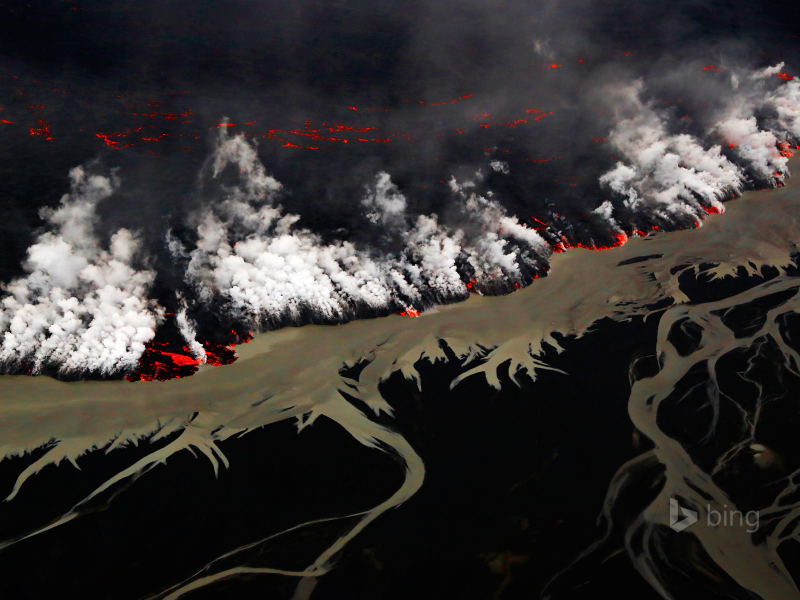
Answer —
(162, 360)
(42, 129)
(158, 364)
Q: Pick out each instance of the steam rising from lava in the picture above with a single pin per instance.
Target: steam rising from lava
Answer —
(676, 177)
(273, 272)
(81, 308)
(249, 260)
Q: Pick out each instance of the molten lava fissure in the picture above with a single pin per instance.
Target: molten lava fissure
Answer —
(159, 364)
(42, 129)
(163, 360)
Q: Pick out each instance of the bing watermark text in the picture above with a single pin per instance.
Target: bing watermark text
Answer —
(681, 518)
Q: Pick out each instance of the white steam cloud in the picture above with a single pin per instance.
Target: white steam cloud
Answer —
(83, 307)
(673, 176)
(273, 271)
(786, 102)
(80, 308)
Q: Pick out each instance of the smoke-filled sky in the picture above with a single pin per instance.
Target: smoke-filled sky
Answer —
(186, 169)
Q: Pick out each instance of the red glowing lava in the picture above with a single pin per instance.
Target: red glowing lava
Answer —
(181, 359)
(110, 143)
(337, 128)
(409, 312)
(453, 101)
(158, 364)
(542, 223)
(310, 133)
(162, 361)
(42, 129)
(221, 354)
(785, 76)
(512, 124)
(711, 68)
(541, 160)
(620, 237)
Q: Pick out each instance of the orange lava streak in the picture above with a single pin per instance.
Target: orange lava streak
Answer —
(711, 68)
(784, 76)
(409, 312)
(7, 122)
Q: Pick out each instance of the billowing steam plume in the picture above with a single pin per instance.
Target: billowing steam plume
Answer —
(273, 272)
(80, 308)
(83, 308)
(677, 177)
